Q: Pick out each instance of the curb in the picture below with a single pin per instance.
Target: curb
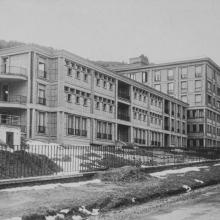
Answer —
(30, 181)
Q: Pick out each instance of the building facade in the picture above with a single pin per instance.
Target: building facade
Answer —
(60, 97)
(196, 82)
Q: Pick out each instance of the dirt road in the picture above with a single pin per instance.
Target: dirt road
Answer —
(201, 204)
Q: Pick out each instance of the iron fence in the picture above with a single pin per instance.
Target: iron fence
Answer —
(38, 160)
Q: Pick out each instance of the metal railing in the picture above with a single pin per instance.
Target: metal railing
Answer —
(41, 101)
(37, 160)
(13, 70)
(124, 95)
(14, 99)
(123, 117)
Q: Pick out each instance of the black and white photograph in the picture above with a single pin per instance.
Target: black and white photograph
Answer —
(109, 110)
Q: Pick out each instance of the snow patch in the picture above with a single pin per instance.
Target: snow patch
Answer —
(163, 174)
(217, 164)
(50, 186)
(199, 181)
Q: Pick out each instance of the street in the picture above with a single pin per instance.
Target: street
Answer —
(202, 204)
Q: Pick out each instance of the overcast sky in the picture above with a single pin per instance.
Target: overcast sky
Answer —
(163, 30)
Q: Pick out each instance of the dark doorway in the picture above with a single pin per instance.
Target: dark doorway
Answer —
(9, 138)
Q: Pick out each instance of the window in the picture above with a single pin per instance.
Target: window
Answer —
(135, 115)
(77, 74)
(157, 75)
(170, 75)
(84, 127)
(135, 95)
(157, 87)
(145, 99)
(201, 128)
(42, 70)
(184, 85)
(77, 100)
(170, 87)
(42, 94)
(97, 105)
(184, 72)
(209, 99)
(110, 86)
(144, 119)
(85, 102)
(198, 85)
(209, 85)
(98, 82)
(198, 72)
(85, 77)
(69, 71)
(41, 122)
(198, 99)
(133, 76)
(104, 107)
(68, 97)
(110, 108)
(144, 77)
(104, 84)
(140, 97)
(184, 98)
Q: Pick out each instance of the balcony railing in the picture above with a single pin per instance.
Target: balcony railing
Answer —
(139, 141)
(14, 99)
(123, 95)
(10, 120)
(13, 70)
(103, 136)
(41, 101)
(41, 129)
(123, 117)
(77, 132)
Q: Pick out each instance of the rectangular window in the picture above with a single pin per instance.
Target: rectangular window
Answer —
(157, 76)
(170, 75)
(42, 70)
(184, 86)
(97, 82)
(170, 87)
(184, 72)
(77, 100)
(85, 77)
(157, 87)
(42, 94)
(144, 77)
(198, 72)
(209, 85)
(198, 99)
(198, 85)
(41, 122)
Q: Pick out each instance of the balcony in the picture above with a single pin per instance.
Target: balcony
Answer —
(13, 72)
(17, 99)
(10, 120)
(139, 141)
(77, 132)
(124, 91)
(103, 136)
(123, 117)
(41, 101)
(124, 96)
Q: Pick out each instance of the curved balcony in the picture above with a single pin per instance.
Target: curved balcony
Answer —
(13, 72)
(16, 101)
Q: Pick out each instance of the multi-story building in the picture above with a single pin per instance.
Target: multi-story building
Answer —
(195, 81)
(64, 98)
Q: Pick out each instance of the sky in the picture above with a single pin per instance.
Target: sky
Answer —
(115, 30)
